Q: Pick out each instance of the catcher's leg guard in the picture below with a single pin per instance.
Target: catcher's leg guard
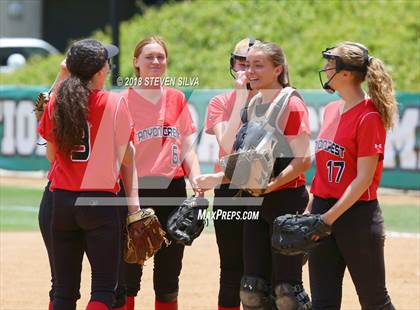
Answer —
(291, 297)
(254, 294)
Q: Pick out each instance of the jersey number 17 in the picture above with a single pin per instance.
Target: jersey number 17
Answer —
(339, 165)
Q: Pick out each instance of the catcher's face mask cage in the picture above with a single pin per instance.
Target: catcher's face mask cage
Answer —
(329, 54)
(238, 57)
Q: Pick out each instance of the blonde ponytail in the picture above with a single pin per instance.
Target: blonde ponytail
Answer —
(380, 89)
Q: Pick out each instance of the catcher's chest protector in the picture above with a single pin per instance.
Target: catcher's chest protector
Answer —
(260, 149)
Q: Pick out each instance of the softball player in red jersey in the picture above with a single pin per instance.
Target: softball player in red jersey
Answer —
(268, 273)
(349, 162)
(88, 133)
(219, 122)
(164, 156)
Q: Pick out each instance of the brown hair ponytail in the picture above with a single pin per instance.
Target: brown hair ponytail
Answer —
(380, 89)
(84, 59)
(70, 113)
(380, 85)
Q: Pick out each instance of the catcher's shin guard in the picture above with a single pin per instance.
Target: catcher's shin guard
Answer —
(291, 297)
(254, 294)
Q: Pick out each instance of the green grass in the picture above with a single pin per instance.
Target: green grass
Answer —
(19, 212)
(19, 208)
(402, 218)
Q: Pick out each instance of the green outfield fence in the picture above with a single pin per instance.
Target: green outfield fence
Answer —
(22, 149)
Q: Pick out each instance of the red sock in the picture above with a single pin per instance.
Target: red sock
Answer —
(229, 308)
(96, 305)
(173, 305)
(120, 308)
(129, 304)
(50, 305)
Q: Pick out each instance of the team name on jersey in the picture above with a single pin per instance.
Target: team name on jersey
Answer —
(157, 132)
(330, 147)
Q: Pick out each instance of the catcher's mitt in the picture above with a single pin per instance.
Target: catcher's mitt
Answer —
(249, 170)
(145, 236)
(40, 104)
(296, 234)
(184, 224)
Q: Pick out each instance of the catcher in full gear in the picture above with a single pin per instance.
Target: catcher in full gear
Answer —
(272, 279)
(349, 161)
(223, 123)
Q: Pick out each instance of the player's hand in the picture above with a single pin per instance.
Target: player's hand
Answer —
(198, 191)
(271, 186)
(241, 80)
(207, 181)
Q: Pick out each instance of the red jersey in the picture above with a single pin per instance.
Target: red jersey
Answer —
(50, 174)
(295, 121)
(219, 110)
(94, 165)
(358, 132)
(160, 130)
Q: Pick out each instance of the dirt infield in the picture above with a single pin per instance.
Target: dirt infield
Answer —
(24, 275)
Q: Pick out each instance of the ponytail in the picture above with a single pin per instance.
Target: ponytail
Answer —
(380, 89)
(70, 113)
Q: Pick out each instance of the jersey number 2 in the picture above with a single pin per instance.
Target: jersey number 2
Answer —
(331, 164)
(82, 152)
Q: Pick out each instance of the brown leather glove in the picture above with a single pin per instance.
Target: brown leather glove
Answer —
(145, 236)
(40, 104)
